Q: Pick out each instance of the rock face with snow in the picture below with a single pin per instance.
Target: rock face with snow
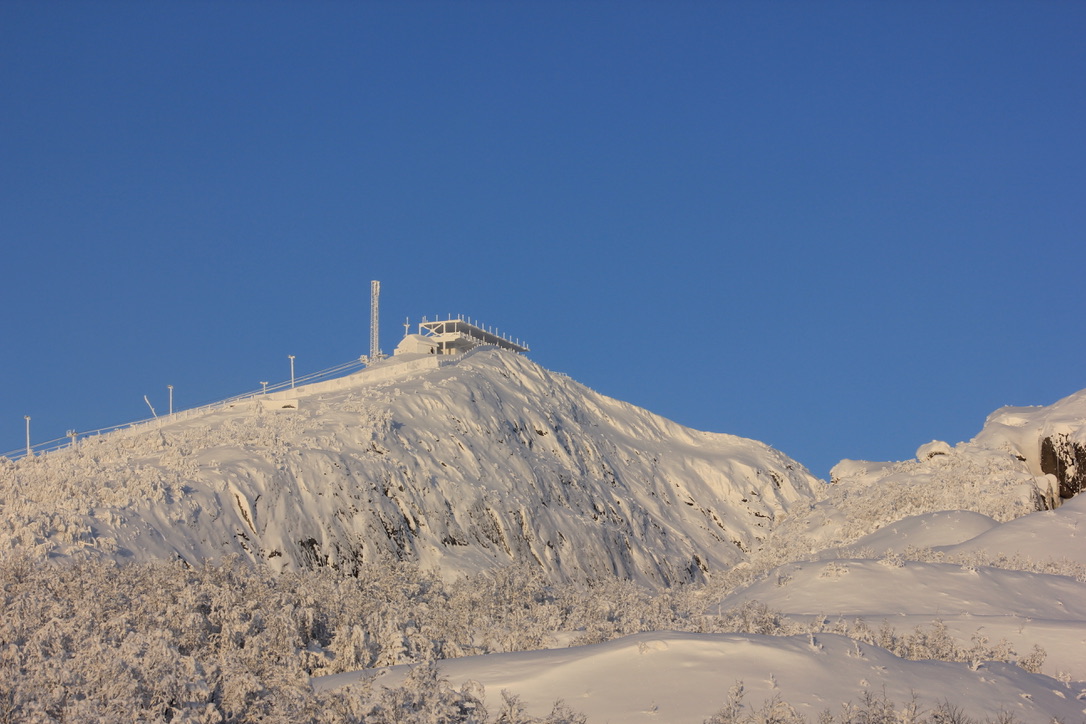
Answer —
(1050, 440)
(461, 466)
(1024, 459)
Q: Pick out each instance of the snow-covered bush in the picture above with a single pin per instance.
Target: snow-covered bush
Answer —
(869, 708)
(230, 643)
(867, 496)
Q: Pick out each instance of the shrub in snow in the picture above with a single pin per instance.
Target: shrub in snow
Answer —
(773, 711)
(1033, 661)
(869, 708)
(755, 617)
(974, 560)
(228, 643)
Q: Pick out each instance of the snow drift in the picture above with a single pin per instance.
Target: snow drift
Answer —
(682, 678)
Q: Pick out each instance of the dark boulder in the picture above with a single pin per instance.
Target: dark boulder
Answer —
(1067, 461)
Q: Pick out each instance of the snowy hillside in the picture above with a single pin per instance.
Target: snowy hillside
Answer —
(977, 606)
(944, 559)
(463, 466)
(1024, 459)
(510, 538)
(878, 639)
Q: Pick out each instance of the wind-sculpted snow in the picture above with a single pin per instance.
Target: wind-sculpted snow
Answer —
(951, 611)
(460, 494)
(461, 467)
(999, 474)
(1058, 534)
(956, 585)
(813, 677)
(1019, 430)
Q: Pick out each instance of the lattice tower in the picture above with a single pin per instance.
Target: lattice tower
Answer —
(375, 296)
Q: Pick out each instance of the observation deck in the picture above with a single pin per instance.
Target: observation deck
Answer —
(457, 334)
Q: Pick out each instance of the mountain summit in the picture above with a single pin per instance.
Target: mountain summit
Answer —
(457, 463)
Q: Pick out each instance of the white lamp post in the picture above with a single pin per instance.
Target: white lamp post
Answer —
(265, 386)
(291, 370)
(28, 451)
(170, 388)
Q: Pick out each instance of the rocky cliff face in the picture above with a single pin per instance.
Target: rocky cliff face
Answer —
(1066, 460)
(487, 462)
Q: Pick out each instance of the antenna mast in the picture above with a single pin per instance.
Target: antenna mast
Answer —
(375, 294)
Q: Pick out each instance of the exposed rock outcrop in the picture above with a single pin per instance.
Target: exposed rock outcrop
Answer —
(1066, 460)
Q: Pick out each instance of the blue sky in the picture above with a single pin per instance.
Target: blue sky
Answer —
(841, 228)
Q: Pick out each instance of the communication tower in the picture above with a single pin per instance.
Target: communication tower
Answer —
(375, 296)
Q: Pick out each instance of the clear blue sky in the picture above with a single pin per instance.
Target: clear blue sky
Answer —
(842, 228)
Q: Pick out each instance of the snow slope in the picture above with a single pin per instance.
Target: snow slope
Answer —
(1058, 534)
(972, 602)
(685, 678)
(850, 573)
(955, 511)
(962, 610)
(999, 474)
(484, 462)
(927, 530)
(489, 460)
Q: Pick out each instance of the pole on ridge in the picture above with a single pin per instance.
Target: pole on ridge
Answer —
(375, 320)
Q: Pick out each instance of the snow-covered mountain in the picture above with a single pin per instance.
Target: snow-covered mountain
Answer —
(898, 592)
(458, 464)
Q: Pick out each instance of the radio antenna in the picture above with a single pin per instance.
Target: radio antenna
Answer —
(375, 320)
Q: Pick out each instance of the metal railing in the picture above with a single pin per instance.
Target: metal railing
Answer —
(59, 443)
